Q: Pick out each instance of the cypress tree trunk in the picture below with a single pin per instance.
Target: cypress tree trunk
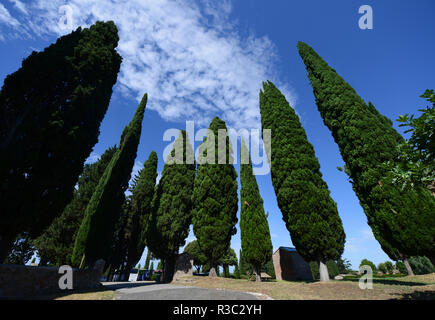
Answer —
(212, 272)
(168, 269)
(257, 273)
(323, 270)
(408, 267)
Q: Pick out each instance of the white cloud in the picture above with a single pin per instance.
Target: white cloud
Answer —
(6, 18)
(186, 54)
(20, 6)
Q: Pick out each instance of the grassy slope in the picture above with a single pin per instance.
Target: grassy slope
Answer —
(416, 287)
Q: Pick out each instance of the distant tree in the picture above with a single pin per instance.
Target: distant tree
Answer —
(309, 212)
(199, 258)
(56, 243)
(215, 196)
(344, 266)
(139, 211)
(366, 262)
(254, 227)
(382, 267)
(96, 232)
(401, 220)
(171, 209)
(389, 267)
(229, 259)
(152, 266)
(50, 114)
(401, 267)
(22, 250)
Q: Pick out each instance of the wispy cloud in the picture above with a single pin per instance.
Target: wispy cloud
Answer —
(6, 18)
(186, 54)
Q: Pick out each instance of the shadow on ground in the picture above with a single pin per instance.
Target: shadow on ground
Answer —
(123, 285)
(392, 282)
(416, 295)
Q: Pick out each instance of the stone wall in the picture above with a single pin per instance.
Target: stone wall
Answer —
(18, 281)
(290, 266)
(183, 266)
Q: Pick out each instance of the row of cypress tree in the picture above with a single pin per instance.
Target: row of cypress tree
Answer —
(50, 114)
(403, 221)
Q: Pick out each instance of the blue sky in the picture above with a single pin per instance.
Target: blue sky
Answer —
(200, 58)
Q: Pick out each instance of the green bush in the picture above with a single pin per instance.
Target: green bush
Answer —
(382, 267)
(421, 265)
(401, 267)
(366, 262)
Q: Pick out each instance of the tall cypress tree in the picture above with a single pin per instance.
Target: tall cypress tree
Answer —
(139, 210)
(56, 244)
(254, 228)
(401, 220)
(96, 232)
(50, 114)
(215, 195)
(172, 205)
(309, 212)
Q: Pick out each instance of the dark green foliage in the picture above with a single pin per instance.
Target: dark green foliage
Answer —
(147, 260)
(139, 210)
(50, 114)
(254, 227)
(172, 205)
(401, 267)
(215, 197)
(421, 265)
(152, 266)
(229, 259)
(56, 244)
(310, 214)
(97, 230)
(389, 266)
(415, 164)
(160, 265)
(402, 221)
(344, 266)
(269, 268)
(382, 267)
(236, 271)
(199, 258)
(22, 250)
(366, 262)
